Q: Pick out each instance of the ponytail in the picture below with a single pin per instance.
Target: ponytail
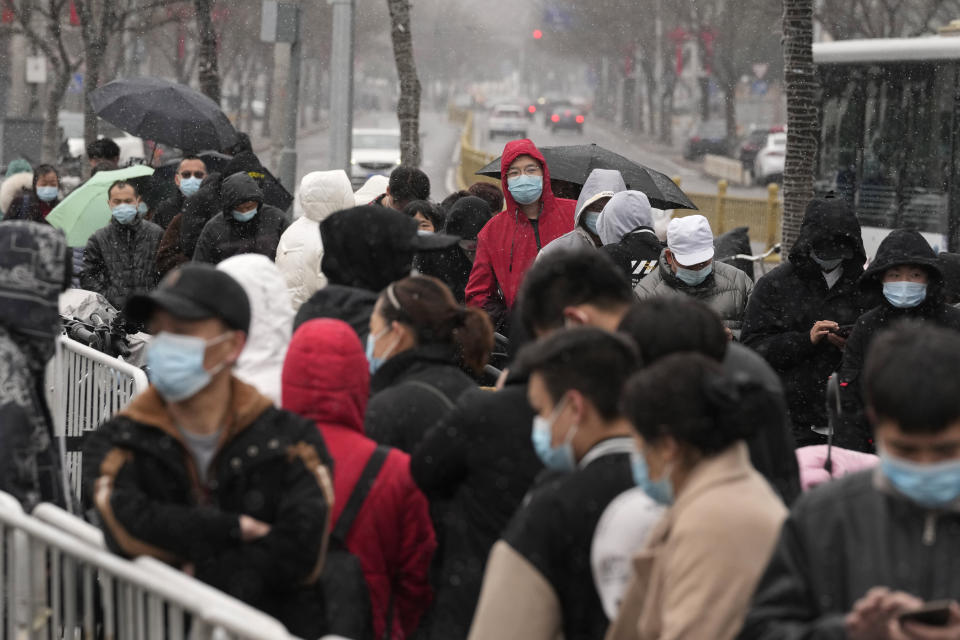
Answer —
(473, 335)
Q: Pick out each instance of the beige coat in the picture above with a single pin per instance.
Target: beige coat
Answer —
(702, 562)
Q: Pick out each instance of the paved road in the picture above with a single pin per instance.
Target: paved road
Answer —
(626, 144)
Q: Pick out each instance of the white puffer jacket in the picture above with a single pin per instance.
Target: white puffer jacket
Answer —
(300, 249)
(271, 322)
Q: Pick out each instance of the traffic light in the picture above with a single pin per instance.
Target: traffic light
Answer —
(537, 34)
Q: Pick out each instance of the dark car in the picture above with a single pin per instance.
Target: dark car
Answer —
(752, 144)
(707, 137)
(567, 117)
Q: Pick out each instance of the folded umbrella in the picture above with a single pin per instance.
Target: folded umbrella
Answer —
(86, 210)
(166, 112)
(575, 162)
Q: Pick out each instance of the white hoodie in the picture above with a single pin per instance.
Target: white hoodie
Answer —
(300, 250)
(271, 322)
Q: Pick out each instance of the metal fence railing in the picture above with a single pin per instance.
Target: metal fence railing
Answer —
(56, 583)
(84, 388)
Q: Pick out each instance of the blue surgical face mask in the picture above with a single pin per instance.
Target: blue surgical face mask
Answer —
(176, 365)
(375, 362)
(48, 194)
(124, 213)
(559, 458)
(826, 265)
(660, 490)
(929, 485)
(240, 216)
(525, 189)
(693, 278)
(590, 219)
(905, 295)
(189, 186)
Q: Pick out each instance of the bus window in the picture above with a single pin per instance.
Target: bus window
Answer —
(882, 148)
(842, 131)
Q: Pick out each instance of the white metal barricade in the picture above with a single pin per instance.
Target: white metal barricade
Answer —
(58, 585)
(84, 388)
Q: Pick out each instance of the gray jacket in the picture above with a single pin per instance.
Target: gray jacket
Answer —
(602, 183)
(726, 290)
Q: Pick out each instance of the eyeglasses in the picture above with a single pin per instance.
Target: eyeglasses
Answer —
(189, 174)
(529, 170)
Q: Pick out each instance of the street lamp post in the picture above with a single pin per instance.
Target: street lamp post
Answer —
(281, 23)
(341, 85)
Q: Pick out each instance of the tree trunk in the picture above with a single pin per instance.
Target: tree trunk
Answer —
(50, 151)
(209, 74)
(730, 111)
(91, 80)
(408, 106)
(803, 115)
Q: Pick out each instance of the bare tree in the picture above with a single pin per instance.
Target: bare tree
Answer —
(803, 115)
(408, 106)
(844, 19)
(209, 75)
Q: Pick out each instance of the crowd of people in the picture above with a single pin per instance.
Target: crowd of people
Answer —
(504, 415)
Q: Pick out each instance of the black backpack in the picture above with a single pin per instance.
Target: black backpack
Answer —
(347, 599)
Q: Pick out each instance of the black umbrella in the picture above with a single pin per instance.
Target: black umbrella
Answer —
(166, 112)
(575, 162)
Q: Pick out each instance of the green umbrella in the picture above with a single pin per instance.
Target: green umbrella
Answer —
(85, 210)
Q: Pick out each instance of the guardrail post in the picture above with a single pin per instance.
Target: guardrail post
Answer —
(721, 206)
(773, 213)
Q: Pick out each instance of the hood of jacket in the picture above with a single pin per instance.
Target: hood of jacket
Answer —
(513, 150)
(371, 190)
(601, 183)
(626, 211)
(467, 217)
(237, 189)
(905, 246)
(34, 272)
(827, 218)
(271, 321)
(323, 192)
(326, 376)
(366, 247)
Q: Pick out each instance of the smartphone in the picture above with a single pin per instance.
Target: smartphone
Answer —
(843, 331)
(932, 614)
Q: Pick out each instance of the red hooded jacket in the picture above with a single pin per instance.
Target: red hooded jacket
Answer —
(507, 245)
(326, 379)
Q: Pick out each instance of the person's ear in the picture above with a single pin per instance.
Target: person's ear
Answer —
(176, 178)
(237, 343)
(578, 404)
(574, 317)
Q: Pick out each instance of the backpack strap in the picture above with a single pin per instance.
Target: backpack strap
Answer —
(426, 386)
(359, 493)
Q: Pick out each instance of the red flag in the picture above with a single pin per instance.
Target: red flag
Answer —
(74, 16)
(8, 14)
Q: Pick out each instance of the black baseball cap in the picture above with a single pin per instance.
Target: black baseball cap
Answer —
(195, 291)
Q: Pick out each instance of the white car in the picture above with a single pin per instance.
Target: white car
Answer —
(508, 120)
(769, 163)
(131, 147)
(376, 152)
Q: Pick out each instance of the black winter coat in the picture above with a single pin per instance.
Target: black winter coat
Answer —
(168, 209)
(270, 465)
(224, 237)
(637, 254)
(411, 392)
(479, 462)
(900, 247)
(842, 539)
(350, 304)
(120, 260)
(788, 301)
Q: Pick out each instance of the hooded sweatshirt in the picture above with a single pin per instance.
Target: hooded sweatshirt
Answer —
(601, 183)
(224, 236)
(325, 379)
(371, 190)
(301, 250)
(626, 230)
(271, 322)
(510, 242)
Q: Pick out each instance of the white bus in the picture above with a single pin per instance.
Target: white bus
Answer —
(890, 134)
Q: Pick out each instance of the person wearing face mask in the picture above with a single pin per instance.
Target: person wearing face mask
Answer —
(538, 583)
(700, 565)
(201, 471)
(420, 341)
(190, 174)
(36, 204)
(801, 313)
(687, 267)
(244, 225)
(119, 260)
(909, 275)
(601, 185)
(533, 217)
(857, 553)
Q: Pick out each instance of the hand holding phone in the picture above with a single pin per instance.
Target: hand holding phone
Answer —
(932, 614)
